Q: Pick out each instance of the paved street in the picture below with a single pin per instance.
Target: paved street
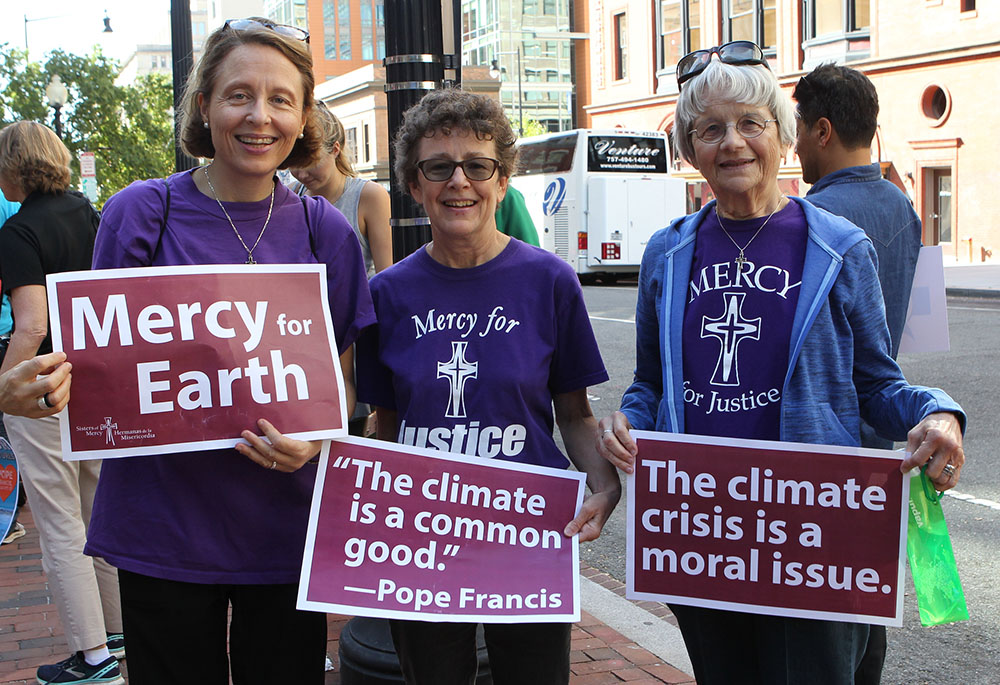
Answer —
(964, 653)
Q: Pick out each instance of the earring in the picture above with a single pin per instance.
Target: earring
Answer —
(205, 124)
(302, 135)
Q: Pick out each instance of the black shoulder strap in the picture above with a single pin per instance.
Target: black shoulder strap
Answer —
(312, 238)
(163, 222)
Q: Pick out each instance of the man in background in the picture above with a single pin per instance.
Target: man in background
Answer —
(837, 116)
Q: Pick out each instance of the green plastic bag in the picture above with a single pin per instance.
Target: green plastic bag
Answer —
(932, 562)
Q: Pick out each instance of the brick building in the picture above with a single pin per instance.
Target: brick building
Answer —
(932, 61)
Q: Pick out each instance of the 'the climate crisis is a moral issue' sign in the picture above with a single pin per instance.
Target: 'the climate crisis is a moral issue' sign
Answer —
(786, 529)
(170, 359)
(412, 533)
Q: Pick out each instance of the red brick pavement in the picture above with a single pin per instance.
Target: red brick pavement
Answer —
(31, 633)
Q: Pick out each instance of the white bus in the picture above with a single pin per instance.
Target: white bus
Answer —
(597, 196)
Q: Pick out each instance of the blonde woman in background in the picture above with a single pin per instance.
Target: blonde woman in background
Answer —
(364, 203)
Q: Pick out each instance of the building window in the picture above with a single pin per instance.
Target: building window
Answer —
(329, 29)
(968, 5)
(835, 17)
(620, 28)
(680, 30)
(344, 28)
(367, 154)
(753, 20)
(367, 44)
(351, 138)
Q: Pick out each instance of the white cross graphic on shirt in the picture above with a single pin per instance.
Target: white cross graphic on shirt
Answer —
(730, 329)
(457, 370)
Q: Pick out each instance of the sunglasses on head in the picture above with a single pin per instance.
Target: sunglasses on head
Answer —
(256, 23)
(737, 52)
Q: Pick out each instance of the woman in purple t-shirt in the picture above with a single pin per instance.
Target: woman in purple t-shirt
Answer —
(196, 533)
(478, 337)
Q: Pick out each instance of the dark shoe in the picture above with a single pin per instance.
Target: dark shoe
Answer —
(76, 670)
(116, 645)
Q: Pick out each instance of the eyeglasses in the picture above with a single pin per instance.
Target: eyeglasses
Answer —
(250, 23)
(747, 126)
(737, 52)
(475, 169)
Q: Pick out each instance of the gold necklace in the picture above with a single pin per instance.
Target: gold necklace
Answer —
(250, 259)
(741, 258)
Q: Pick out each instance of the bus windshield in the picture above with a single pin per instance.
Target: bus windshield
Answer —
(552, 155)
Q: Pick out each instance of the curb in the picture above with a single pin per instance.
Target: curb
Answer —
(977, 293)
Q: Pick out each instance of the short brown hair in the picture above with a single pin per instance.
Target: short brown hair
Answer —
(196, 140)
(32, 156)
(447, 110)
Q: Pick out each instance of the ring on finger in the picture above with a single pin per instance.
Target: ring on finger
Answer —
(608, 430)
(273, 465)
(43, 403)
(948, 471)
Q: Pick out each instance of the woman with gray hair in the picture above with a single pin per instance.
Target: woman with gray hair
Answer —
(802, 284)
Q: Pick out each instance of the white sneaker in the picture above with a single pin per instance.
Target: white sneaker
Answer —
(16, 532)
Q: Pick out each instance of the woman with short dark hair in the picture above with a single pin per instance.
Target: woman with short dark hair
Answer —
(455, 153)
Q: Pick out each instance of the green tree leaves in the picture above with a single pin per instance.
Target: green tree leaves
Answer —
(128, 127)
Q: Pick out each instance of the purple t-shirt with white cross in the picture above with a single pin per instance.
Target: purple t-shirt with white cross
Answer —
(738, 323)
(471, 358)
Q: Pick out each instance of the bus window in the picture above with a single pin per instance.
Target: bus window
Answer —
(552, 155)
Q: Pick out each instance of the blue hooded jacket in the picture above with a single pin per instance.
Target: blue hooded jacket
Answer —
(839, 367)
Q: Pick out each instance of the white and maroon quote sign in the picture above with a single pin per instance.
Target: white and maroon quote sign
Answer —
(169, 359)
(776, 528)
(412, 533)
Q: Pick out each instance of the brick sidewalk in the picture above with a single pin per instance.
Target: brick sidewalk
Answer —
(31, 633)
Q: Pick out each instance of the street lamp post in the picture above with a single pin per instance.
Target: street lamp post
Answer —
(57, 94)
(495, 72)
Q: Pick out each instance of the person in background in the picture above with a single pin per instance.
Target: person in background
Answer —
(53, 232)
(364, 203)
(821, 344)
(513, 218)
(837, 115)
(455, 153)
(7, 210)
(197, 533)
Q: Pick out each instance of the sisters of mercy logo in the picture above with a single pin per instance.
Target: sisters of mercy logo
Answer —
(113, 434)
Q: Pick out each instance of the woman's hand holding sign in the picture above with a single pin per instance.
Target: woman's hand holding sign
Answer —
(614, 442)
(275, 451)
(36, 387)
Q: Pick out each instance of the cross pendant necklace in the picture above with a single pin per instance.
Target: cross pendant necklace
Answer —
(250, 259)
(741, 257)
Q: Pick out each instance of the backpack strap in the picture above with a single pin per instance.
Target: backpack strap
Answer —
(309, 228)
(163, 222)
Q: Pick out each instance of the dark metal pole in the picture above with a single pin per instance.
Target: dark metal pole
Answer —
(414, 66)
(182, 50)
(58, 121)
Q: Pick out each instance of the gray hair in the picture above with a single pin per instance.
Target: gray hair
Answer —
(753, 85)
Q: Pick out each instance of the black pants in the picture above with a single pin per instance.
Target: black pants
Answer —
(445, 653)
(734, 648)
(175, 634)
